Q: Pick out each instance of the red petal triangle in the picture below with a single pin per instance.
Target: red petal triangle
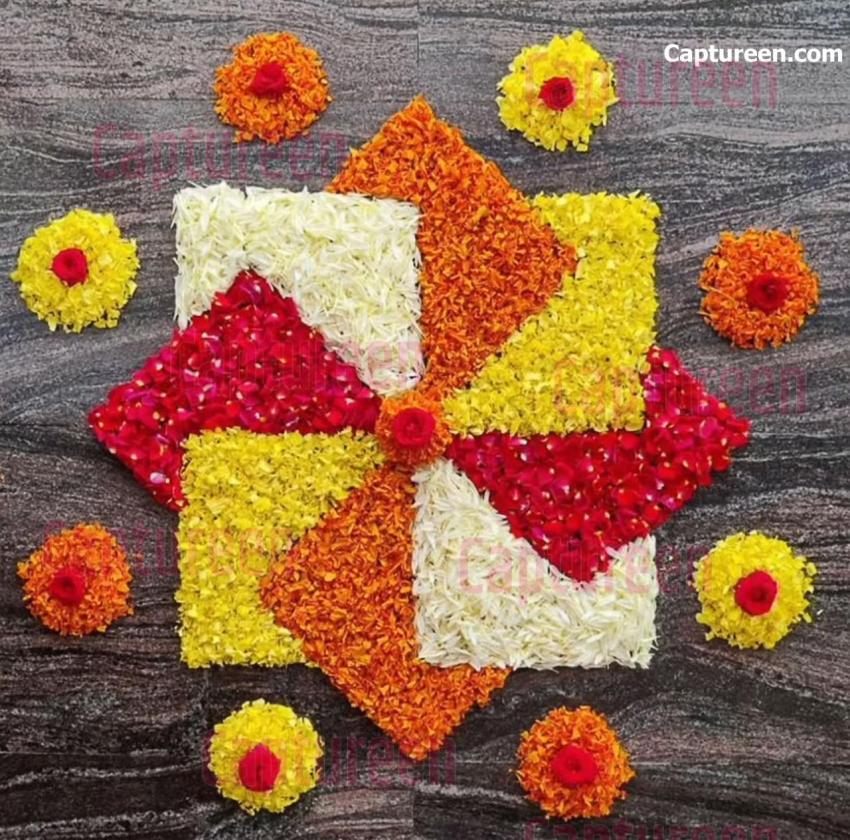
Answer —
(574, 496)
(250, 362)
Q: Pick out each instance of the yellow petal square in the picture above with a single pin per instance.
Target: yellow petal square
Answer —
(249, 497)
(577, 365)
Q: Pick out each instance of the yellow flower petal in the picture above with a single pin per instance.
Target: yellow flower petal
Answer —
(292, 739)
(249, 496)
(578, 364)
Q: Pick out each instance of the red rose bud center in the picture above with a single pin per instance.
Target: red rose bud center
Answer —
(558, 93)
(68, 586)
(259, 769)
(767, 292)
(413, 428)
(574, 766)
(71, 266)
(756, 593)
(270, 80)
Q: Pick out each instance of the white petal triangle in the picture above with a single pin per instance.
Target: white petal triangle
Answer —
(485, 597)
(350, 262)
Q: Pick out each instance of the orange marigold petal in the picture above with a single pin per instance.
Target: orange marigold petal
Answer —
(738, 262)
(95, 563)
(489, 260)
(346, 591)
(590, 731)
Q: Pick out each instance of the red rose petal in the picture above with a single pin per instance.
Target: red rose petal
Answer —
(271, 80)
(413, 428)
(71, 266)
(756, 593)
(574, 766)
(68, 586)
(767, 292)
(558, 93)
(259, 769)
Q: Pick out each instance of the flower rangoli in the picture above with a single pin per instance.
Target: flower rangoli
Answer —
(417, 428)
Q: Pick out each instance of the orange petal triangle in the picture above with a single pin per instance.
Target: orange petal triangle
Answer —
(346, 591)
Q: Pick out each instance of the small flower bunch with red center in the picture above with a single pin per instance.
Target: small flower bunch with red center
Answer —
(753, 589)
(760, 290)
(77, 271)
(556, 93)
(264, 756)
(572, 764)
(78, 582)
(274, 89)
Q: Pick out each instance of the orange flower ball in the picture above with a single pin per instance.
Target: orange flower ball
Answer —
(760, 289)
(78, 582)
(412, 430)
(274, 89)
(572, 764)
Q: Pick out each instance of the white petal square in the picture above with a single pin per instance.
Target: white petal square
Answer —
(351, 264)
(485, 597)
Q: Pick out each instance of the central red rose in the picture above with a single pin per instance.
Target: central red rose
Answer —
(259, 769)
(413, 428)
(71, 266)
(756, 593)
(767, 292)
(558, 93)
(270, 80)
(574, 766)
(69, 586)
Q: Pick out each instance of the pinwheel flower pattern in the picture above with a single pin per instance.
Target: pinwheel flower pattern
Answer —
(417, 428)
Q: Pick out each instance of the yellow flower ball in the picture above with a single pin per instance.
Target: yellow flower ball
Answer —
(753, 589)
(556, 93)
(264, 756)
(77, 271)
